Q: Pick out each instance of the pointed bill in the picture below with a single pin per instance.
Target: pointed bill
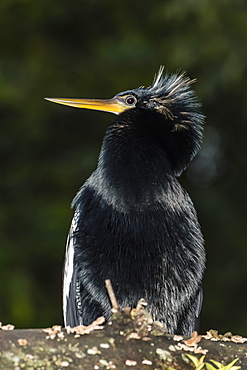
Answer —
(108, 105)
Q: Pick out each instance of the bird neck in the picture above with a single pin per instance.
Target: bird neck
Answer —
(133, 168)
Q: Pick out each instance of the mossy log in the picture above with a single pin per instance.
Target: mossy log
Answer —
(130, 340)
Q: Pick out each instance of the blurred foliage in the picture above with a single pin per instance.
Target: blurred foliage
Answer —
(94, 48)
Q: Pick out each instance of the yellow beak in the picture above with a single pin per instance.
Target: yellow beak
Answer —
(113, 105)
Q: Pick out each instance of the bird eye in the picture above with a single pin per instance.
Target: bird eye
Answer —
(130, 100)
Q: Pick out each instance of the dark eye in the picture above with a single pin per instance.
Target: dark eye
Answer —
(130, 100)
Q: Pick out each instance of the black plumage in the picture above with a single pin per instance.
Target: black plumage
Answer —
(134, 224)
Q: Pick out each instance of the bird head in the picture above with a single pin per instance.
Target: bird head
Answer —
(169, 101)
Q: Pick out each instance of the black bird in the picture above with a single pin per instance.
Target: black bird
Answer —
(134, 224)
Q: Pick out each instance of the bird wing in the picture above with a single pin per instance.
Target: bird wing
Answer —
(198, 306)
(70, 280)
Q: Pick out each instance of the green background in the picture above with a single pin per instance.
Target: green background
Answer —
(94, 49)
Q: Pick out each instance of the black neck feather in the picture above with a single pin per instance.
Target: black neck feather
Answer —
(141, 154)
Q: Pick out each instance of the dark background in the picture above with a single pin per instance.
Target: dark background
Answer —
(95, 49)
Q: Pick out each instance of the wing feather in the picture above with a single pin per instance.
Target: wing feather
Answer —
(198, 306)
(70, 280)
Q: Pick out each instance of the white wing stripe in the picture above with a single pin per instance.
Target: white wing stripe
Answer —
(69, 264)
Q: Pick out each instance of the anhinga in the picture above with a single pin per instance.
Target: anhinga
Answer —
(134, 224)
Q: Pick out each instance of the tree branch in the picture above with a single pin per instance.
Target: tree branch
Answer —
(130, 340)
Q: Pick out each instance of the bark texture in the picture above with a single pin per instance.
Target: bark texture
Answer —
(130, 340)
